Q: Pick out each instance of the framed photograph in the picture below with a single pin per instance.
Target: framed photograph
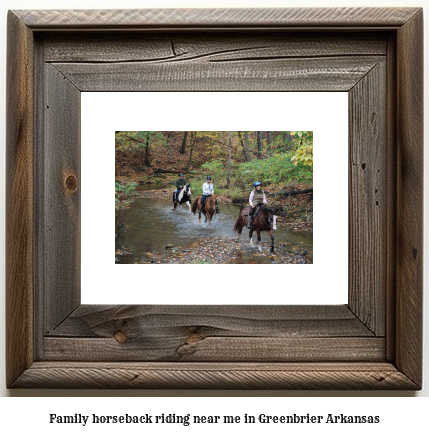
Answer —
(60, 62)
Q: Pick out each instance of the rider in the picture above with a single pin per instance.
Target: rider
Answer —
(180, 183)
(208, 189)
(257, 198)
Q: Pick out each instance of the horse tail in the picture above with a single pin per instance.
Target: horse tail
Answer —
(195, 206)
(237, 226)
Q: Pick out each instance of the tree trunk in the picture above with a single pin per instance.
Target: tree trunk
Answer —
(286, 141)
(159, 171)
(243, 148)
(182, 149)
(259, 143)
(169, 146)
(304, 191)
(229, 159)
(269, 143)
(192, 149)
(246, 138)
(146, 156)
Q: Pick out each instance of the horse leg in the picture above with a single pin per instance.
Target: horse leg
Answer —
(258, 232)
(250, 237)
(189, 204)
(270, 232)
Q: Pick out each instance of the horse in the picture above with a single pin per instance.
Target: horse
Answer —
(264, 219)
(209, 207)
(184, 196)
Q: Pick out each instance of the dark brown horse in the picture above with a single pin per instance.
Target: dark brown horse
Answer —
(264, 219)
(209, 207)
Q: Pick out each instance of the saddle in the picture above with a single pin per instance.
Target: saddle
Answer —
(257, 207)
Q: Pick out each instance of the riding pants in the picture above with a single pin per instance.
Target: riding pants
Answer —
(253, 210)
(203, 200)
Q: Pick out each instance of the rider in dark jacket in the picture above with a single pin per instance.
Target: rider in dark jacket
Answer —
(180, 183)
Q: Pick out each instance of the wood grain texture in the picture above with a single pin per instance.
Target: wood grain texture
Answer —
(19, 200)
(391, 192)
(301, 74)
(213, 333)
(178, 347)
(225, 47)
(61, 208)
(209, 18)
(368, 202)
(409, 273)
(109, 375)
(99, 321)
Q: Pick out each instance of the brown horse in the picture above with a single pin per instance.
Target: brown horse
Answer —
(209, 207)
(264, 219)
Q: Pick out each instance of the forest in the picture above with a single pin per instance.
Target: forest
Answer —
(148, 163)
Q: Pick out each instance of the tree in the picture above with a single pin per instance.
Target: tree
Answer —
(286, 141)
(183, 147)
(259, 144)
(246, 138)
(304, 152)
(228, 181)
(169, 146)
(136, 142)
(146, 155)
(192, 149)
(269, 143)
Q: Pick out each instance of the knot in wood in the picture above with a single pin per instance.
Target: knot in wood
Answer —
(71, 183)
(120, 337)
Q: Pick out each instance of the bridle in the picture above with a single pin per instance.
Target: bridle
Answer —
(209, 198)
(188, 191)
(270, 217)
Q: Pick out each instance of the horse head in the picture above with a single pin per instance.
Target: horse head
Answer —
(270, 216)
(211, 201)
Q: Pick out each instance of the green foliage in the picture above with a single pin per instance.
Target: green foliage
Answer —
(123, 194)
(214, 168)
(127, 189)
(132, 141)
(304, 152)
(276, 169)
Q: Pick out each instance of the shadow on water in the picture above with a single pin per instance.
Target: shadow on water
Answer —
(150, 224)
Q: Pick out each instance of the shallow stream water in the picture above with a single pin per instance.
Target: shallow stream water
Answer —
(149, 225)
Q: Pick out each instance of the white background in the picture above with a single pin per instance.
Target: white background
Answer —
(401, 414)
(322, 112)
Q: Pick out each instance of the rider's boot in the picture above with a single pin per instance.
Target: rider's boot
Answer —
(250, 222)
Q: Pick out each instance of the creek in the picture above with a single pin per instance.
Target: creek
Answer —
(149, 225)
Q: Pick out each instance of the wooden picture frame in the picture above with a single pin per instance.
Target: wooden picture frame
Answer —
(373, 342)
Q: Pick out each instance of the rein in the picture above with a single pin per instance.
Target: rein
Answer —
(262, 219)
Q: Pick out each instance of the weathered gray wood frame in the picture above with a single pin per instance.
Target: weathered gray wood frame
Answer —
(374, 342)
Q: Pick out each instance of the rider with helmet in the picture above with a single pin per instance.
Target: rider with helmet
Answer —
(256, 199)
(180, 183)
(208, 189)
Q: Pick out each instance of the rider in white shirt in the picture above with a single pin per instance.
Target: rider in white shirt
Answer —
(208, 189)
